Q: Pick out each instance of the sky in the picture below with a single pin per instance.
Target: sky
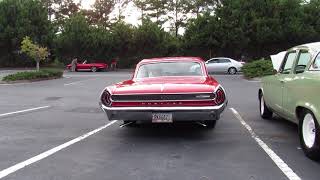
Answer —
(131, 13)
(87, 3)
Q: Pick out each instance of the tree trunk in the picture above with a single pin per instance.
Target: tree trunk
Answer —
(120, 13)
(176, 29)
(176, 26)
(38, 65)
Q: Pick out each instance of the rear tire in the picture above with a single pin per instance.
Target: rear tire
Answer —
(94, 69)
(232, 70)
(309, 134)
(265, 112)
(210, 124)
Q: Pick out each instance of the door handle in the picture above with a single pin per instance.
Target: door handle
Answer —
(282, 81)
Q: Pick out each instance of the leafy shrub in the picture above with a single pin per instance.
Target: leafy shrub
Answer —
(258, 68)
(57, 64)
(34, 75)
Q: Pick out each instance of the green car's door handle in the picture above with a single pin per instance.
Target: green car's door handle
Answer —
(282, 81)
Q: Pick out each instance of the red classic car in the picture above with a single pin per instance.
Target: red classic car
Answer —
(89, 66)
(166, 90)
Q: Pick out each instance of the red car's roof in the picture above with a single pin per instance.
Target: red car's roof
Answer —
(193, 59)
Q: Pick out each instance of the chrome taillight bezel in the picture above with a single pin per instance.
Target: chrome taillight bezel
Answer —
(105, 98)
(220, 96)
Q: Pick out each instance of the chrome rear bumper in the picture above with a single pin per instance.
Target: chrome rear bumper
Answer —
(203, 113)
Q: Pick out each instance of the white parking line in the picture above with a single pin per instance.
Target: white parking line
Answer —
(22, 111)
(45, 154)
(4, 84)
(76, 82)
(226, 75)
(275, 158)
(254, 81)
(86, 75)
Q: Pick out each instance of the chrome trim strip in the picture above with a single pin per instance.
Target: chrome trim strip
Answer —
(180, 108)
(219, 86)
(199, 92)
(162, 93)
(165, 100)
(191, 100)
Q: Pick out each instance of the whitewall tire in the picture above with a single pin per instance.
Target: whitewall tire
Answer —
(265, 112)
(94, 69)
(309, 134)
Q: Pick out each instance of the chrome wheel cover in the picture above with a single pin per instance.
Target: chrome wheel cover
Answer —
(308, 130)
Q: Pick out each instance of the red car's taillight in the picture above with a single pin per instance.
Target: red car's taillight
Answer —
(106, 98)
(220, 96)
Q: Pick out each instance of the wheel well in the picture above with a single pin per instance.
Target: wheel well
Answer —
(233, 68)
(259, 93)
(299, 112)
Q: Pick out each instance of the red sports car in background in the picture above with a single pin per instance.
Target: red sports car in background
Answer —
(165, 90)
(89, 66)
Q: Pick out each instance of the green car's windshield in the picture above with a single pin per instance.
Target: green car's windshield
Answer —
(316, 65)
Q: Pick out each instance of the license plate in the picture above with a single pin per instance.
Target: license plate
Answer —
(162, 117)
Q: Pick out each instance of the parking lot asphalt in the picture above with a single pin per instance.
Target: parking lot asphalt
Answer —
(37, 119)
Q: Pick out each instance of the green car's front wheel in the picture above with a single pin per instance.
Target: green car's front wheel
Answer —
(265, 112)
(309, 134)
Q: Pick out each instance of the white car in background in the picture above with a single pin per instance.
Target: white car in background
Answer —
(223, 65)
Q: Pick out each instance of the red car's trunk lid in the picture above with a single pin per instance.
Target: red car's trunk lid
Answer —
(166, 85)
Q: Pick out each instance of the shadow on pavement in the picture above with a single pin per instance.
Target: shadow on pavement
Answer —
(166, 131)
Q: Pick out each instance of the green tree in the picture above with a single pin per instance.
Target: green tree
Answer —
(199, 7)
(143, 6)
(48, 4)
(34, 51)
(99, 44)
(254, 28)
(178, 11)
(66, 8)
(311, 20)
(73, 39)
(20, 18)
(122, 34)
(151, 40)
(158, 10)
(121, 5)
(102, 10)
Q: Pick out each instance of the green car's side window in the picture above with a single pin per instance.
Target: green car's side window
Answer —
(316, 64)
(288, 63)
(302, 62)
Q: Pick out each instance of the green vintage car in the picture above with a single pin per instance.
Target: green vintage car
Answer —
(293, 93)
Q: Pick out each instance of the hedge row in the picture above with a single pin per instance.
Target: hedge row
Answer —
(34, 75)
(258, 68)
